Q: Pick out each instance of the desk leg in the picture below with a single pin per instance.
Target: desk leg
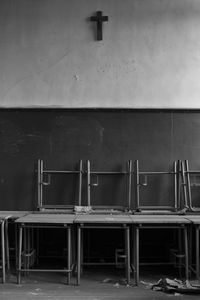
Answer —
(186, 253)
(28, 232)
(3, 251)
(137, 256)
(127, 247)
(16, 246)
(78, 254)
(69, 255)
(133, 250)
(7, 245)
(19, 256)
(197, 251)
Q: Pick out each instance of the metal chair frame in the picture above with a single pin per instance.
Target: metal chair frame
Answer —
(138, 184)
(128, 181)
(41, 183)
(187, 184)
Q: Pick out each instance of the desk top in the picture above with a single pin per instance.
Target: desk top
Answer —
(159, 219)
(3, 217)
(13, 214)
(108, 219)
(47, 219)
(195, 219)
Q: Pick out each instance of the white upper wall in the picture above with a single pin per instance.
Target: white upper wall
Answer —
(149, 56)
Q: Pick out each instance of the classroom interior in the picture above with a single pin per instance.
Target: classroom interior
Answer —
(99, 148)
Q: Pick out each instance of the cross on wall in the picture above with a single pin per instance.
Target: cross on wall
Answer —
(99, 19)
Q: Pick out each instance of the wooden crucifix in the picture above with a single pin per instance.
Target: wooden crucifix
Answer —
(99, 18)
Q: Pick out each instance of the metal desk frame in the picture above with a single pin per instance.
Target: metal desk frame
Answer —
(43, 173)
(138, 184)
(138, 225)
(11, 216)
(25, 224)
(83, 224)
(195, 220)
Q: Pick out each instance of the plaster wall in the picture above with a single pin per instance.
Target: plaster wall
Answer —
(149, 56)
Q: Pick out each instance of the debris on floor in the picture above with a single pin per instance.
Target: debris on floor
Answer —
(175, 286)
(116, 283)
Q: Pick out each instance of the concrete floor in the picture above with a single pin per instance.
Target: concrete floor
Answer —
(95, 285)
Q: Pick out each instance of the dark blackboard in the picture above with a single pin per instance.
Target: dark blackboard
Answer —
(106, 137)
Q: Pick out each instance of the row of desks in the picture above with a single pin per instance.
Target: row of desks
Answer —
(34, 217)
(25, 217)
(56, 220)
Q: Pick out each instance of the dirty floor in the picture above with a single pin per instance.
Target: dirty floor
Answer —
(95, 285)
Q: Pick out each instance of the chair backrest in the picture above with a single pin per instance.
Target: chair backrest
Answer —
(44, 179)
(191, 182)
(94, 182)
(141, 181)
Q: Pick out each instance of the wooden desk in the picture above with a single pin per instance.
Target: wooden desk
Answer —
(106, 222)
(195, 220)
(40, 220)
(157, 222)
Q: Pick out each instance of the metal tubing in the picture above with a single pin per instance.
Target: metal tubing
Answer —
(60, 172)
(16, 246)
(80, 183)
(157, 207)
(46, 270)
(19, 256)
(144, 226)
(134, 252)
(69, 254)
(103, 227)
(127, 249)
(88, 183)
(137, 184)
(178, 184)
(7, 245)
(130, 163)
(175, 185)
(137, 174)
(28, 247)
(157, 173)
(137, 256)
(37, 245)
(197, 251)
(188, 184)
(186, 253)
(38, 183)
(184, 185)
(40, 175)
(108, 173)
(190, 245)
(78, 254)
(3, 251)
